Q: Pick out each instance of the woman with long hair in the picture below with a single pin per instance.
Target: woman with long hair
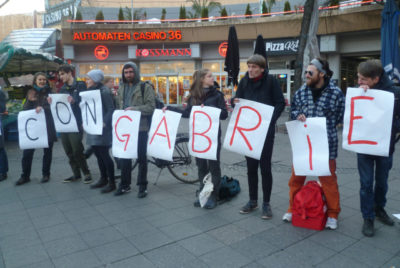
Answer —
(37, 99)
(204, 92)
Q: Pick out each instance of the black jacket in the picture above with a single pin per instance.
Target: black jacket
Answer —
(41, 100)
(73, 91)
(266, 91)
(213, 98)
(386, 84)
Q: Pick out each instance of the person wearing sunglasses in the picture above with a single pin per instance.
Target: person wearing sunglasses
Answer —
(319, 97)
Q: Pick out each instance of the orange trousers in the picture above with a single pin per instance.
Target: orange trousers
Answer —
(329, 187)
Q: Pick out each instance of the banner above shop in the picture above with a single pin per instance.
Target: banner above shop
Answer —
(282, 46)
(57, 10)
(127, 36)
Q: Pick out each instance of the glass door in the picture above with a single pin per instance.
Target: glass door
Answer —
(285, 78)
(168, 86)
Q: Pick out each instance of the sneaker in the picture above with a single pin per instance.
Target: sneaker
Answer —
(368, 227)
(287, 217)
(109, 188)
(267, 212)
(72, 179)
(87, 179)
(383, 217)
(22, 180)
(122, 190)
(331, 223)
(249, 207)
(45, 179)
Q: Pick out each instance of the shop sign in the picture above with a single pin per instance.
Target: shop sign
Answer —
(223, 47)
(124, 36)
(282, 46)
(101, 52)
(56, 13)
(175, 52)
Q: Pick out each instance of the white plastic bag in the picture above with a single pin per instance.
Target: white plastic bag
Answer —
(206, 191)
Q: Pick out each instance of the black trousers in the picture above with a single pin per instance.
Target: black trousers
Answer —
(266, 174)
(27, 157)
(106, 164)
(126, 164)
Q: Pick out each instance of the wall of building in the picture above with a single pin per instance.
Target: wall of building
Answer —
(20, 21)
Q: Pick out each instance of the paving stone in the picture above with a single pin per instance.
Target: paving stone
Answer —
(163, 219)
(333, 240)
(212, 221)
(149, 241)
(81, 213)
(363, 252)
(395, 262)
(138, 261)
(56, 232)
(101, 236)
(173, 202)
(225, 257)
(85, 259)
(254, 225)
(340, 261)
(112, 206)
(90, 223)
(133, 227)
(167, 256)
(115, 251)
(282, 259)
(65, 246)
(180, 230)
(17, 216)
(38, 202)
(200, 244)
(281, 237)
(229, 234)
(49, 220)
(41, 211)
(385, 238)
(65, 206)
(17, 227)
(25, 256)
(19, 240)
(42, 264)
(254, 247)
(310, 252)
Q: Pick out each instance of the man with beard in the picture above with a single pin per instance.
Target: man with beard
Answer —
(319, 97)
(130, 96)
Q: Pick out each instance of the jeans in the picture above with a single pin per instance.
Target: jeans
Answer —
(27, 157)
(370, 196)
(73, 147)
(126, 164)
(3, 161)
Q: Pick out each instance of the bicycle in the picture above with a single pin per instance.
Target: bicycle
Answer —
(182, 166)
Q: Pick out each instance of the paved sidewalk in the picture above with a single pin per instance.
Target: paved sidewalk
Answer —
(70, 225)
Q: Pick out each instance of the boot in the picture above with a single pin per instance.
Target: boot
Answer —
(109, 188)
(100, 183)
(22, 180)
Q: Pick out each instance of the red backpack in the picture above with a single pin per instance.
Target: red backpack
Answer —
(309, 207)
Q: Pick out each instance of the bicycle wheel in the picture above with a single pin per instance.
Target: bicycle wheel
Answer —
(183, 166)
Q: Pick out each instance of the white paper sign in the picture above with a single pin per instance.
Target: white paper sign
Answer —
(248, 128)
(92, 111)
(64, 118)
(203, 132)
(368, 121)
(125, 131)
(162, 134)
(310, 148)
(32, 130)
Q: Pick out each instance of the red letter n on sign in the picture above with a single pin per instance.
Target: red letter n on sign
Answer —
(241, 130)
(202, 134)
(353, 117)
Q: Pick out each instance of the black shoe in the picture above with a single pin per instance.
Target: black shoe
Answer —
(22, 180)
(267, 212)
(3, 176)
(211, 202)
(383, 217)
(45, 179)
(109, 188)
(249, 207)
(368, 227)
(196, 203)
(122, 190)
(87, 179)
(100, 183)
(72, 179)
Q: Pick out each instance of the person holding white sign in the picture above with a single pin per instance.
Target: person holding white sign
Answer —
(101, 143)
(257, 85)
(319, 97)
(373, 198)
(204, 93)
(37, 99)
(132, 97)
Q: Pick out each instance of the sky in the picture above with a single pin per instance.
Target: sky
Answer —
(21, 6)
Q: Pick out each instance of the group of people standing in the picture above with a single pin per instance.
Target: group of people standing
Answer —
(318, 97)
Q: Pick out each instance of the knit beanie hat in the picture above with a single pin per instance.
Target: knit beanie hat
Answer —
(96, 75)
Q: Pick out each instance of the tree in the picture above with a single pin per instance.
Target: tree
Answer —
(121, 14)
(199, 5)
(248, 12)
(163, 13)
(137, 13)
(305, 27)
(223, 12)
(144, 16)
(99, 16)
(264, 8)
(78, 15)
(287, 7)
(333, 3)
(182, 13)
(204, 13)
(270, 4)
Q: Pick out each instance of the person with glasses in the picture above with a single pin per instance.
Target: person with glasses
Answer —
(319, 97)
